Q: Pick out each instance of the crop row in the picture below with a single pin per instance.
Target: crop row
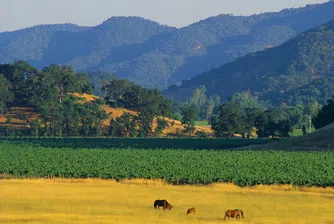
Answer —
(140, 143)
(244, 167)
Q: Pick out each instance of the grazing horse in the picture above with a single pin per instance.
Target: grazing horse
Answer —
(234, 213)
(162, 203)
(168, 206)
(191, 210)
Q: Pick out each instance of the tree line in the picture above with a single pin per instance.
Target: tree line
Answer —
(245, 113)
(61, 114)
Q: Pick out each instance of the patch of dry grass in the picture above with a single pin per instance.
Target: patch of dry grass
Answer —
(131, 201)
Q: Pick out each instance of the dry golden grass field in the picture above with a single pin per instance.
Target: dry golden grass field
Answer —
(98, 201)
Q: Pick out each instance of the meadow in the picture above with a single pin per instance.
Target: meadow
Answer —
(131, 201)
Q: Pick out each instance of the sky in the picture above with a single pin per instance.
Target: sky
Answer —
(17, 14)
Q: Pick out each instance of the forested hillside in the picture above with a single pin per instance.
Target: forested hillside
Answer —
(31, 43)
(154, 55)
(56, 101)
(299, 71)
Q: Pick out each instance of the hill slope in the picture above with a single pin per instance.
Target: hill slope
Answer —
(20, 115)
(321, 139)
(300, 70)
(157, 56)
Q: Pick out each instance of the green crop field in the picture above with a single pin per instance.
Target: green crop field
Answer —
(177, 166)
(140, 143)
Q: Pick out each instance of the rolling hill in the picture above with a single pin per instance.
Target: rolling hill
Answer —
(298, 71)
(19, 116)
(157, 56)
(321, 139)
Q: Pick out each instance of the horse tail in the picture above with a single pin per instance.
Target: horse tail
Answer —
(242, 213)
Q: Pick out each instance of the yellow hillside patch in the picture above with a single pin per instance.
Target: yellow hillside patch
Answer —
(98, 201)
(87, 97)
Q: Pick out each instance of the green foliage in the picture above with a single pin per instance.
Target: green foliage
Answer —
(7, 96)
(99, 79)
(325, 115)
(205, 104)
(162, 124)
(244, 168)
(9, 119)
(145, 125)
(274, 123)
(124, 126)
(229, 121)
(122, 93)
(48, 91)
(247, 100)
(189, 116)
(34, 128)
(312, 109)
(201, 134)
(100, 102)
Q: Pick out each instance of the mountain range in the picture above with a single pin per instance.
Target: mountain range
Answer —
(298, 71)
(154, 55)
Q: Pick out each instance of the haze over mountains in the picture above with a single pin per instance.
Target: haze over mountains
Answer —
(157, 56)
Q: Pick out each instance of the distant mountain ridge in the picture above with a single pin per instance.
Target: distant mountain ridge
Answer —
(157, 56)
(298, 71)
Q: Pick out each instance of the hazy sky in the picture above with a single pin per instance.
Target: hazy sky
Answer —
(16, 14)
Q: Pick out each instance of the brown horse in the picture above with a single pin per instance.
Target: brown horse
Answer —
(191, 210)
(162, 203)
(234, 213)
(168, 206)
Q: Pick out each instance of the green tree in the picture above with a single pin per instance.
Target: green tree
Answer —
(325, 115)
(261, 122)
(213, 102)
(6, 96)
(64, 78)
(162, 124)
(247, 100)
(34, 128)
(145, 119)
(313, 108)
(230, 120)
(251, 117)
(189, 116)
(199, 96)
(123, 126)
